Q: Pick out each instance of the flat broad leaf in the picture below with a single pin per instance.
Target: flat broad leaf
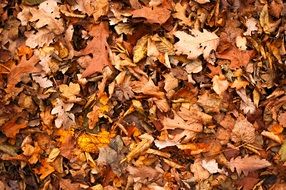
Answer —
(196, 44)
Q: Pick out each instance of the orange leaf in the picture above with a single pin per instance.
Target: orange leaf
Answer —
(23, 68)
(98, 48)
(45, 169)
(153, 14)
(12, 127)
(237, 57)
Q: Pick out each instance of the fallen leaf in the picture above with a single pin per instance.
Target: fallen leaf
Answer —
(98, 48)
(220, 84)
(24, 68)
(243, 131)
(282, 152)
(140, 49)
(92, 142)
(247, 164)
(44, 170)
(95, 8)
(264, 19)
(196, 44)
(237, 57)
(12, 127)
(153, 15)
(251, 26)
(64, 118)
(70, 92)
(66, 184)
(199, 172)
(211, 166)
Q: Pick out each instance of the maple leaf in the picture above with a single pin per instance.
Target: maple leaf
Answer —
(196, 44)
(24, 68)
(247, 164)
(98, 48)
(153, 15)
(238, 58)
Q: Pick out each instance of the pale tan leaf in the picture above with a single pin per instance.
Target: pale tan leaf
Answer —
(199, 43)
(243, 131)
(247, 164)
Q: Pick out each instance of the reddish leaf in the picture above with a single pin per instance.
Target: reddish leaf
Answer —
(153, 14)
(98, 48)
(237, 57)
(23, 68)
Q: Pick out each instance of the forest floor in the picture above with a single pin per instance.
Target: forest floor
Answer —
(142, 94)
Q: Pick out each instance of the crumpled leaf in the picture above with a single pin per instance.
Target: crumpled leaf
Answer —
(247, 164)
(251, 26)
(282, 152)
(211, 166)
(39, 39)
(92, 142)
(196, 44)
(220, 84)
(267, 25)
(142, 146)
(199, 172)
(45, 169)
(96, 8)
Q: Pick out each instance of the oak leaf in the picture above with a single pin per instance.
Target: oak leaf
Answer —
(247, 164)
(96, 8)
(196, 44)
(70, 91)
(238, 58)
(158, 15)
(64, 118)
(24, 68)
(98, 48)
(12, 127)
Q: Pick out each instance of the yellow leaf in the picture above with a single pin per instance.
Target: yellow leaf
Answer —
(267, 26)
(140, 50)
(91, 142)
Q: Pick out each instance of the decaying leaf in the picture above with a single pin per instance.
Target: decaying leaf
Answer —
(243, 131)
(247, 164)
(267, 25)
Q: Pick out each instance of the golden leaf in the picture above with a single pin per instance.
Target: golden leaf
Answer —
(91, 142)
(140, 50)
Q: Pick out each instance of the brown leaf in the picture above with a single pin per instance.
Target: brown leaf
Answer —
(66, 184)
(98, 48)
(247, 164)
(96, 8)
(153, 15)
(243, 131)
(25, 67)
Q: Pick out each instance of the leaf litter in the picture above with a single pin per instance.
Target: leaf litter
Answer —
(153, 94)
